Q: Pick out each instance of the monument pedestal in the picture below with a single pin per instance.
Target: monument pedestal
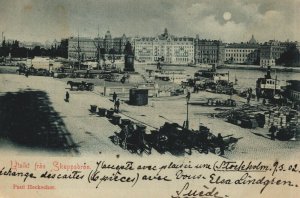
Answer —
(129, 63)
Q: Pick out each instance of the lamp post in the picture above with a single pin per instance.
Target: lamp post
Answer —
(188, 96)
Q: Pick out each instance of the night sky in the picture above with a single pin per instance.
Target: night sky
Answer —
(228, 20)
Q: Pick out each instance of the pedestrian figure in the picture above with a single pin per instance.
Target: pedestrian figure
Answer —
(272, 130)
(248, 99)
(264, 101)
(117, 106)
(67, 96)
(27, 73)
(115, 97)
(205, 141)
(221, 143)
(257, 94)
(188, 96)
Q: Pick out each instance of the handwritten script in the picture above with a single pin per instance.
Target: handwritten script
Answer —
(197, 179)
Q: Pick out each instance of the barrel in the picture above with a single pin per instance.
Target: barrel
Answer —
(102, 112)
(109, 113)
(116, 119)
(93, 108)
(138, 97)
(125, 122)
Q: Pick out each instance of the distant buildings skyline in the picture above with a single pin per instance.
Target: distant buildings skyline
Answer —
(180, 50)
(49, 42)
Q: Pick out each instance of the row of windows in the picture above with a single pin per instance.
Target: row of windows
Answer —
(239, 50)
(240, 55)
(267, 61)
(211, 57)
(296, 95)
(161, 43)
(206, 60)
(146, 58)
(241, 59)
(182, 59)
(207, 48)
(208, 52)
(273, 54)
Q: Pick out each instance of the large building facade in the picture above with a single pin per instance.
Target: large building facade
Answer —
(181, 50)
(174, 50)
(81, 46)
(86, 48)
(271, 51)
(243, 53)
(209, 51)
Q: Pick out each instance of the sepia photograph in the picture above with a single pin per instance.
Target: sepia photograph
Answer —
(165, 98)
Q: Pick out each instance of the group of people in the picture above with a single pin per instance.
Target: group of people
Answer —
(116, 101)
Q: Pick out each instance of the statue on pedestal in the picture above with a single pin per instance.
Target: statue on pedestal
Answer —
(129, 58)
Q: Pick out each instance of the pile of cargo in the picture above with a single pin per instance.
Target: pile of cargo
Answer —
(245, 116)
(285, 120)
(281, 118)
(244, 120)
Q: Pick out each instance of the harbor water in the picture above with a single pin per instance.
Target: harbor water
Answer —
(246, 78)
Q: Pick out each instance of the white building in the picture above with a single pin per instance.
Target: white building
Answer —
(267, 62)
(176, 50)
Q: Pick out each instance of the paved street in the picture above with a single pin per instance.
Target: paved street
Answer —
(82, 133)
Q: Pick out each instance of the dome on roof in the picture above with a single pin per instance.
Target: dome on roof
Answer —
(252, 40)
(107, 35)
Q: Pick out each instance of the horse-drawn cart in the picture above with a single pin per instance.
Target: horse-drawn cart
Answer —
(177, 140)
(82, 86)
(171, 138)
(132, 138)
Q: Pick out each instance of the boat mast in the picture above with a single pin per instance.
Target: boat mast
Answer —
(275, 83)
(228, 76)
(78, 51)
(98, 47)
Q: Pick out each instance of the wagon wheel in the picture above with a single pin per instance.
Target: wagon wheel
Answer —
(202, 149)
(211, 149)
(82, 87)
(116, 140)
(148, 149)
(231, 147)
(217, 151)
(189, 151)
(139, 151)
(124, 144)
(91, 88)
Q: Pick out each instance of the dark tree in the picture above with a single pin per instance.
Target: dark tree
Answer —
(290, 57)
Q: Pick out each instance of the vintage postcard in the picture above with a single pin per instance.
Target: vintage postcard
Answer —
(157, 98)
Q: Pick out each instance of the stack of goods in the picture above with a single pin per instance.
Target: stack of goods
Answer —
(292, 119)
(281, 119)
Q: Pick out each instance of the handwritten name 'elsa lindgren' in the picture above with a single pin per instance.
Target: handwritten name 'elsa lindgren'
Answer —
(205, 191)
